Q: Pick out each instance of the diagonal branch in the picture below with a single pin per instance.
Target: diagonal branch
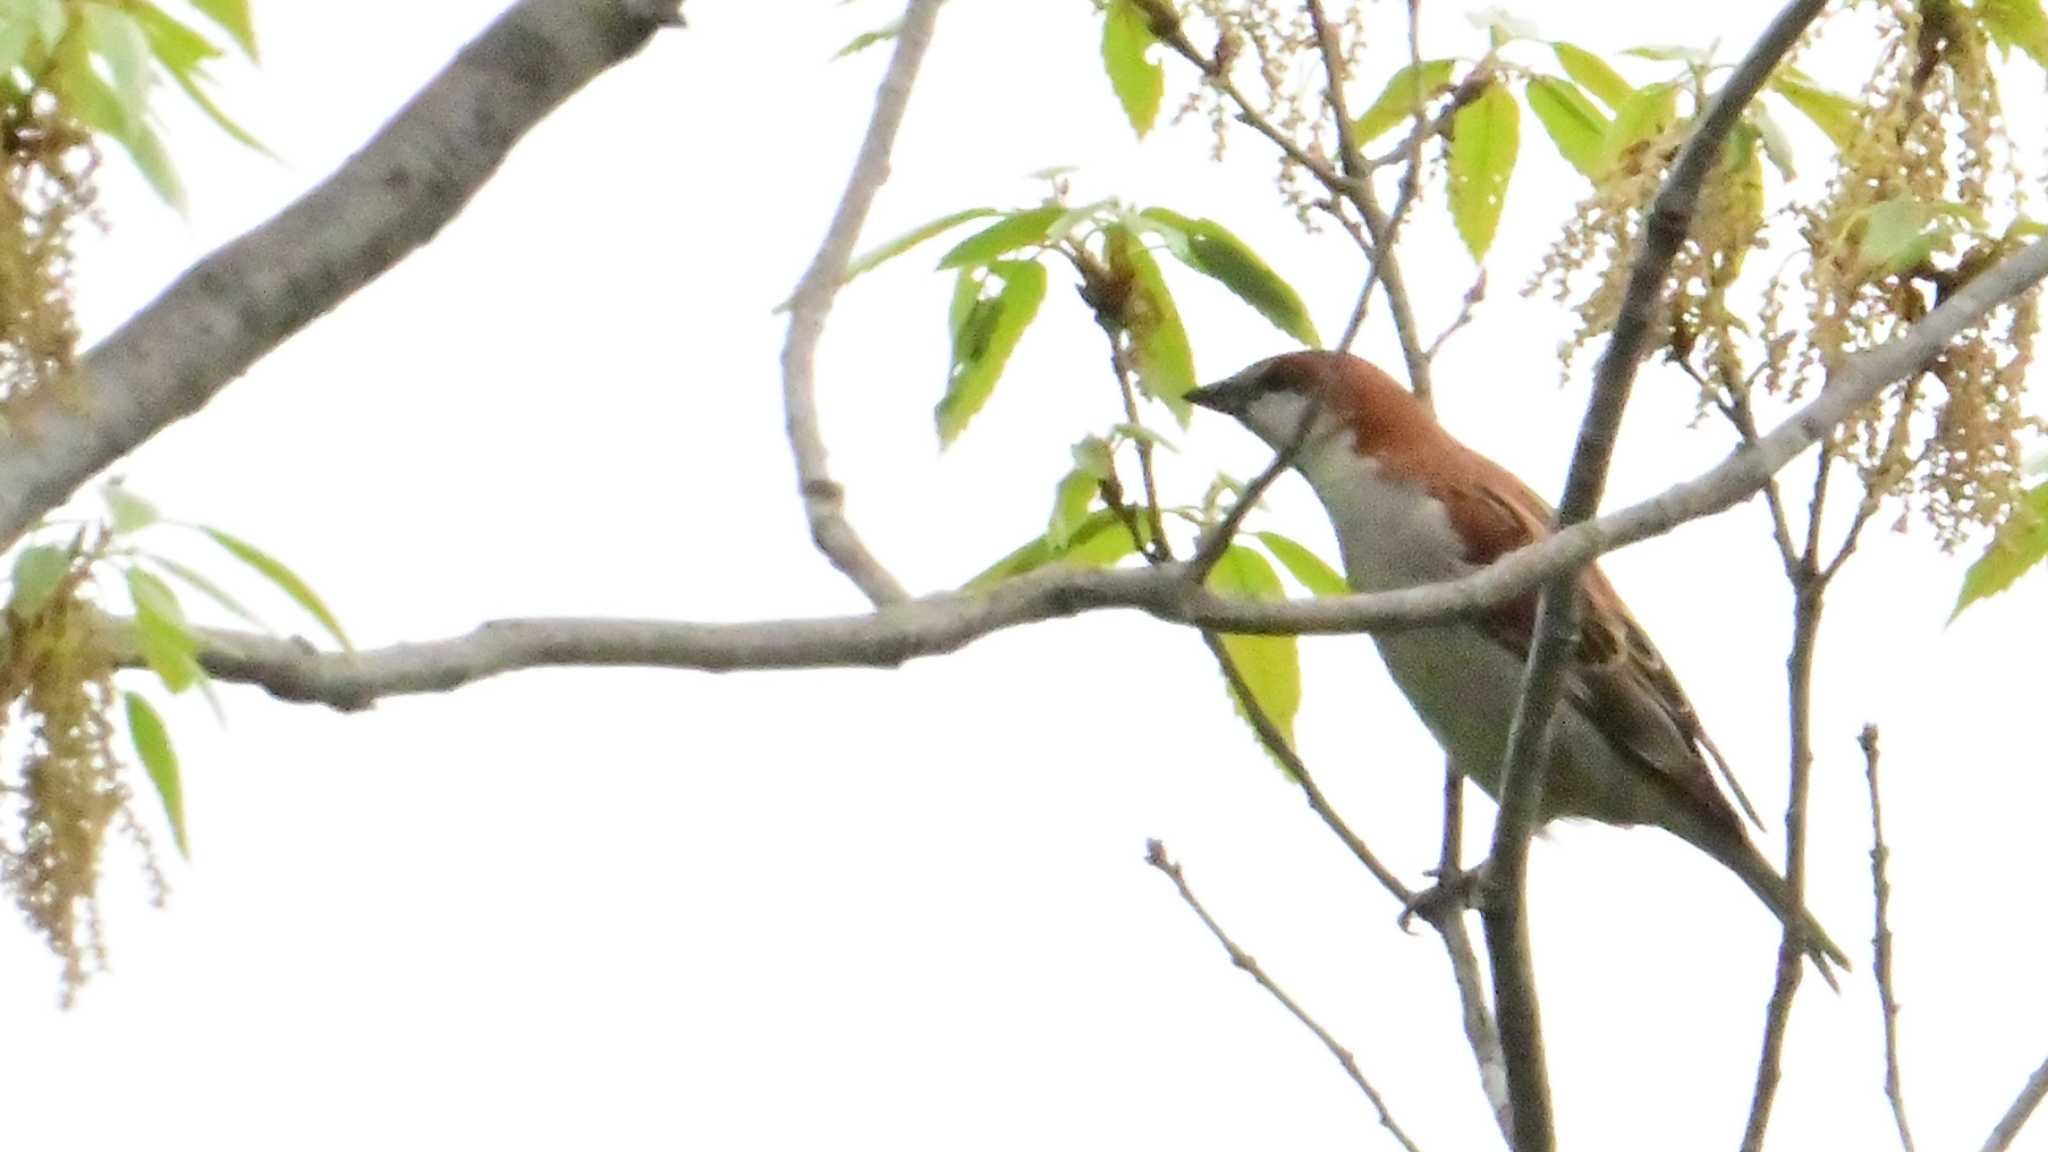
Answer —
(945, 622)
(1504, 911)
(2008, 1127)
(824, 499)
(247, 297)
(1155, 855)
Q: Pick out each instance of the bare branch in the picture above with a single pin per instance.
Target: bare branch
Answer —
(824, 498)
(1881, 941)
(1527, 757)
(1357, 188)
(1216, 541)
(1807, 596)
(945, 622)
(1275, 742)
(236, 305)
(2008, 1127)
(1481, 1033)
(1155, 855)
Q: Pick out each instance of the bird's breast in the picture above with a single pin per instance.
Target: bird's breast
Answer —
(1391, 533)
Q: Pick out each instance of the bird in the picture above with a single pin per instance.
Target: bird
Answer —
(1412, 505)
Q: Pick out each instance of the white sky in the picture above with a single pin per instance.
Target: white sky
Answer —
(645, 910)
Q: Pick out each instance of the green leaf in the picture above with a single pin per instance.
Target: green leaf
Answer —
(1093, 455)
(2016, 24)
(183, 52)
(870, 38)
(1269, 665)
(287, 581)
(983, 344)
(1307, 568)
(127, 511)
(233, 18)
(101, 108)
(1503, 26)
(1217, 253)
(1070, 503)
(1100, 540)
(1646, 115)
(1777, 146)
(875, 257)
(1839, 117)
(117, 38)
(963, 314)
(1896, 235)
(1014, 231)
(162, 632)
(38, 571)
(176, 45)
(206, 587)
(1407, 90)
(1144, 435)
(1485, 136)
(44, 22)
(29, 29)
(2018, 546)
(1140, 83)
(1673, 53)
(1577, 128)
(152, 741)
(1593, 74)
(1159, 344)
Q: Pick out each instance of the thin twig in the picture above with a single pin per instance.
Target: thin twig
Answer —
(1481, 1033)
(1556, 630)
(2008, 1127)
(1881, 940)
(1155, 855)
(1357, 187)
(824, 498)
(1473, 298)
(1159, 549)
(1742, 414)
(1217, 540)
(1275, 741)
(1807, 602)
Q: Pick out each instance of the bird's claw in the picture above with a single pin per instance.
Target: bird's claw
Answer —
(1453, 892)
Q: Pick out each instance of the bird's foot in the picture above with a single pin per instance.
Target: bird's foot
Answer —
(1453, 892)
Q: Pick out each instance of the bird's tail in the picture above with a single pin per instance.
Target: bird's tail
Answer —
(1746, 862)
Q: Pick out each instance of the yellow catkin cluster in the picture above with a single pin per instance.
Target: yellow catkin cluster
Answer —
(46, 194)
(56, 689)
(1947, 444)
(1268, 49)
(1587, 269)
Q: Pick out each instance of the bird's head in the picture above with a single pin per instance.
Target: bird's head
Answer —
(1334, 392)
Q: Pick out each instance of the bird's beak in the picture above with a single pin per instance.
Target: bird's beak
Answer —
(1229, 397)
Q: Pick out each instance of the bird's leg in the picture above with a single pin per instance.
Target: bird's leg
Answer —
(1454, 892)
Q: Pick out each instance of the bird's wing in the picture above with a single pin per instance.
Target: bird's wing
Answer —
(1617, 678)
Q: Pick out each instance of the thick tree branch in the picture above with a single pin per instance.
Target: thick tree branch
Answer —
(943, 623)
(249, 296)
(1521, 798)
(824, 499)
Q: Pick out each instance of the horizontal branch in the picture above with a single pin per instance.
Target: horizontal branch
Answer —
(294, 670)
(250, 295)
